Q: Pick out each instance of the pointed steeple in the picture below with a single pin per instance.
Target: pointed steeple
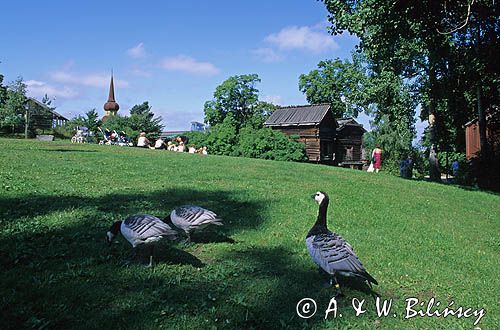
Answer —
(111, 107)
(111, 97)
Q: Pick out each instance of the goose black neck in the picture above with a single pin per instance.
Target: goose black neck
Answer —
(115, 227)
(321, 220)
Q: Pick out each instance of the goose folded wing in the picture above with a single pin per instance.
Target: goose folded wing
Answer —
(196, 215)
(332, 253)
(158, 228)
(145, 227)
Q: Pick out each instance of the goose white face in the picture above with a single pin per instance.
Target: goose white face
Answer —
(319, 196)
(109, 237)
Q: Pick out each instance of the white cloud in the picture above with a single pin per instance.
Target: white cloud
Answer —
(308, 38)
(140, 72)
(187, 64)
(274, 99)
(39, 89)
(137, 51)
(267, 55)
(99, 80)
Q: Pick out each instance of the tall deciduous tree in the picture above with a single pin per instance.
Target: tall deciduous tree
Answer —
(444, 49)
(12, 110)
(339, 83)
(237, 96)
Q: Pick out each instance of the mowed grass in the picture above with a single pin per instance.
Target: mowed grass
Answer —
(57, 201)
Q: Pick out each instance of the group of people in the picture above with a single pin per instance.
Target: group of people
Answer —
(178, 144)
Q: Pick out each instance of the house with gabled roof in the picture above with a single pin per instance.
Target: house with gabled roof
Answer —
(327, 140)
(313, 124)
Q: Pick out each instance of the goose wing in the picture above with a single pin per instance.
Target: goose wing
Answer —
(144, 226)
(192, 215)
(334, 255)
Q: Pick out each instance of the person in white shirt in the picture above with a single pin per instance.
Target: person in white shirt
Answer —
(181, 147)
(170, 146)
(143, 141)
(159, 144)
(192, 149)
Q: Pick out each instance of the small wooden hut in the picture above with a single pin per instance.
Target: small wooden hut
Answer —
(349, 143)
(315, 126)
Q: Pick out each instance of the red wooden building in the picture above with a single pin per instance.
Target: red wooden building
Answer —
(472, 141)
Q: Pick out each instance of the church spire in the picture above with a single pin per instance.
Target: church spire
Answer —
(111, 97)
(111, 107)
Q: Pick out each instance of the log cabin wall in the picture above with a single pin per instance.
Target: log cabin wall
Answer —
(326, 139)
(309, 136)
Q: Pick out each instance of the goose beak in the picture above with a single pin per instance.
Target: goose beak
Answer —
(313, 195)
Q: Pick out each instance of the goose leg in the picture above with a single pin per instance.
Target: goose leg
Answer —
(329, 281)
(338, 292)
(151, 250)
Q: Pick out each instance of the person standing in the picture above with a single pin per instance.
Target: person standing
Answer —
(377, 158)
(409, 167)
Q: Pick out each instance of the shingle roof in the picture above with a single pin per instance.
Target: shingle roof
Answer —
(349, 121)
(298, 115)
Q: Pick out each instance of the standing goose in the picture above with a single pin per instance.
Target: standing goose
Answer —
(331, 252)
(141, 229)
(190, 218)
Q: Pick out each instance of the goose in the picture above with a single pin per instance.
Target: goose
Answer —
(141, 229)
(331, 252)
(190, 218)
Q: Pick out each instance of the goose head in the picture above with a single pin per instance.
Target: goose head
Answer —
(321, 197)
(112, 232)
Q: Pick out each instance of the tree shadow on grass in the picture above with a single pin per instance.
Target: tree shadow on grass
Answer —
(236, 213)
(68, 150)
(64, 276)
(68, 278)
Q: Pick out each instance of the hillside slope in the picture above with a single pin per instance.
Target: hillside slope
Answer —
(418, 239)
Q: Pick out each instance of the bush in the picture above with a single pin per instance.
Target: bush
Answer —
(268, 144)
(251, 142)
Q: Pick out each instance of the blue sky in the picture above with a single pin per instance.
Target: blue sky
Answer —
(170, 53)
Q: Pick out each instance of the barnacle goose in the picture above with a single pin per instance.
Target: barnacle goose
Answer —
(141, 229)
(331, 252)
(190, 218)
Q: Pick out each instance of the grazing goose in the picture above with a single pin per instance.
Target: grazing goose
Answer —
(190, 218)
(331, 252)
(141, 229)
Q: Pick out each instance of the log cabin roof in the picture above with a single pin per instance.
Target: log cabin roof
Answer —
(348, 122)
(298, 115)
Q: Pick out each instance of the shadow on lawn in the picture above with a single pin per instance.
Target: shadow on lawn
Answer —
(68, 150)
(105, 209)
(66, 276)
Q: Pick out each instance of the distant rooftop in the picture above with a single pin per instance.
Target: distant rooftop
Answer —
(311, 114)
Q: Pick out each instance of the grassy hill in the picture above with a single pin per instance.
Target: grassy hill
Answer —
(57, 201)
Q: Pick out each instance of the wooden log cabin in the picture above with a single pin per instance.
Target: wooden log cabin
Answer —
(315, 126)
(327, 140)
(349, 143)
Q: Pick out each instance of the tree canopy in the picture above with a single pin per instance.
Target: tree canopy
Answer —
(12, 104)
(444, 51)
(238, 96)
(339, 83)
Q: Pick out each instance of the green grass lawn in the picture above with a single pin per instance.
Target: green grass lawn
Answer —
(57, 201)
